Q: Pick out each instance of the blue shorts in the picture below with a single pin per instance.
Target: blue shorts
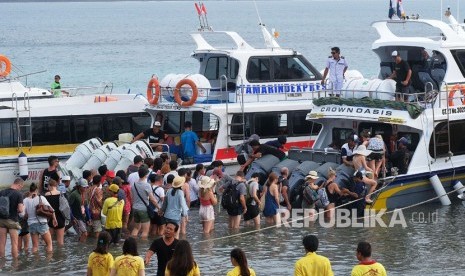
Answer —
(37, 228)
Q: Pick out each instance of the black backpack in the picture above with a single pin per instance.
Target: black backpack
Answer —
(230, 198)
(297, 196)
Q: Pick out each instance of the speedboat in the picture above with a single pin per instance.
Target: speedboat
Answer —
(35, 124)
(239, 90)
(432, 120)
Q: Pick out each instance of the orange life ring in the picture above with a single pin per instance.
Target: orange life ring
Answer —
(454, 89)
(177, 92)
(7, 69)
(153, 99)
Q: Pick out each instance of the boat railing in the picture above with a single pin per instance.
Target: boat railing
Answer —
(105, 88)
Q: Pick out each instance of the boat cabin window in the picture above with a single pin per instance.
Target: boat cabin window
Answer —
(218, 66)
(74, 129)
(279, 69)
(86, 127)
(300, 126)
(259, 69)
(273, 124)
(340, 136)
(459, 56)
(446, 138)
(8, 136)
(51, 131)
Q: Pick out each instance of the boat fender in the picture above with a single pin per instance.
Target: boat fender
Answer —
(153, 98)
(454, 89)
(458, 186)
(23, 169)
(439, 189)
(6, 68)
(177, 92)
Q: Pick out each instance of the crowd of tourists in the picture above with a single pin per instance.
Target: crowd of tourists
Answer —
(152, 197)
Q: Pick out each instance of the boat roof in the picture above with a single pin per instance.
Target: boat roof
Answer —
(450, 35)
(271, 47)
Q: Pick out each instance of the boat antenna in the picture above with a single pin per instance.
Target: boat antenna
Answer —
(258, 14)
(270, 41)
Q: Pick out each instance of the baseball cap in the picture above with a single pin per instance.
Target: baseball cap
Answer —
(157, 124)
(394, 54)
(110, 174)
(403, 141)
(82, 182)
(66, 178)
(114, 188)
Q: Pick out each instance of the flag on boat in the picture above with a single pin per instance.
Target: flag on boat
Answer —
(391, 10)
(400, 9)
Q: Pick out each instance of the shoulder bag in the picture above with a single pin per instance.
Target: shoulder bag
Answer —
(150, 210)
(43, 210)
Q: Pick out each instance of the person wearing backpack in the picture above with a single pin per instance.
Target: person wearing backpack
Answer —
(233, 199)
(157, 224)
(253, 201)
(310, 194)
(11, 207)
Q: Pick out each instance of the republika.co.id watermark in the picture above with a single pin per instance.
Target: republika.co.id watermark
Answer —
(342, 218)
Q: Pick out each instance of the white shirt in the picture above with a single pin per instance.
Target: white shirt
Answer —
(336, 68)
(194, 189)
(30, 207)
(159, 194)
(165, 178)
(133, 178)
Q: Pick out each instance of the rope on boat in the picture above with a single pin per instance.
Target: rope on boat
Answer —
(324, 211)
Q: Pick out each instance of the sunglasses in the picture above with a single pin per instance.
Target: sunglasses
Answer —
(332, 53)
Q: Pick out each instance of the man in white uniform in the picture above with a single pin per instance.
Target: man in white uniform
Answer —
(337, 66)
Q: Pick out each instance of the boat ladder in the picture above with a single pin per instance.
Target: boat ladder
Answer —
(23, 120)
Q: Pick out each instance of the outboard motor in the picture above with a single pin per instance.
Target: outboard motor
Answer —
(288, 163)
(99, 156)
(82, 153)
(115, 156)
(140, 147)
(262, 166)
(297, 179)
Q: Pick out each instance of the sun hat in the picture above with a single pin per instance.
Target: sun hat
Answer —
(206, 182)
(179, 181)
(362, 150)
(66, 178)
(82, 182)
(312, 175)
(114, 188)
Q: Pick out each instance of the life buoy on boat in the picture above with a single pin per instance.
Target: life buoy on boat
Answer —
(177, 92)
(7, 68)
(454, 89)
(153, 98)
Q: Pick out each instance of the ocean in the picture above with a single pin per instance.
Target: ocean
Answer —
(127, 42)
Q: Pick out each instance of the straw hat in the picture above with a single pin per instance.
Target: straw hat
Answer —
(206, 182)
(312, 175)
(362, 150)
(179, 181)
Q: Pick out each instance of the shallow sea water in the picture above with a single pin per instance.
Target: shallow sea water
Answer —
(430, 243)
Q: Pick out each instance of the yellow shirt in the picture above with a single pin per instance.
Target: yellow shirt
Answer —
(369, 268)
(236, 271)
(313, 264)
(100, 263)
(195, 271)
(128, 265)
(114, 212)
